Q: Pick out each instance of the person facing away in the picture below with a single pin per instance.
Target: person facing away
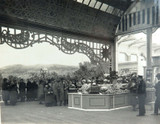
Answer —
(5, 90)
(132, 86)
(157, 93)
(141, 95)
(66, 88)
(13, 92)
(35, 90)
(41, 91)
(58, 90)
(94, 88)
(29, 87)
(22, 87)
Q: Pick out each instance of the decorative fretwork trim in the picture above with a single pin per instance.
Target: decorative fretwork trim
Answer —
(20, 39)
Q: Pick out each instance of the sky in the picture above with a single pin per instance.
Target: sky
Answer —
(43, 53)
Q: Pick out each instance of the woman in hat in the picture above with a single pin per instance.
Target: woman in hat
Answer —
(5, 91)
(85, 87)
(13, 92)
(106, 87)
(48, 94)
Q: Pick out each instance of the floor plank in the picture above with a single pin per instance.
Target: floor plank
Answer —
(33, 113)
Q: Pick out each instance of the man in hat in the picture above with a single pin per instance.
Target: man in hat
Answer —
(141, 95)
(157, 102)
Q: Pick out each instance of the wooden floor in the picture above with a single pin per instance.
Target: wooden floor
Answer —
(33, 113)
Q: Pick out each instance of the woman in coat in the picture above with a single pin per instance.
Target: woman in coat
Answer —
(5, 91)
(41, 91)
(13, 92)
(48, 94)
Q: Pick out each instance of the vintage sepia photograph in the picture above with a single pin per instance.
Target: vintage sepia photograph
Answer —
(79, 61)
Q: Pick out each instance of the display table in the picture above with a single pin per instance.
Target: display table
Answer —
(98, 101)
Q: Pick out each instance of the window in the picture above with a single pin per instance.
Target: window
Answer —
(79, 1)
(86, 2)
(126, 22)
(130, 20)
(110, 9)
(123, 23)
(143, 16)
(116, 11)
(153, 15)
(92, 3)
(98, 4)
(104, 7)
(134, 18)
(133, 58)
(139, 17)
(101, 6)
(157, 14)
(122, 57)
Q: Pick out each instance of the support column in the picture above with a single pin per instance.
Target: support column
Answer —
(149, 55)
(111, 63)
(149, 48)
(129, 57)
(116, 54)
(113, 56)
(0, 35)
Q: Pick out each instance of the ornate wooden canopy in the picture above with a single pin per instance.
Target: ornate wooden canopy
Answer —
(84, 26)
(67, 16)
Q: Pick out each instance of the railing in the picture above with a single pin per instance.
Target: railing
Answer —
(139, 20)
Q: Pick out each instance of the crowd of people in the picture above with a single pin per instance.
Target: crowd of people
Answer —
(137, 87)
(51, 91)
(54, 91)
(48, 91)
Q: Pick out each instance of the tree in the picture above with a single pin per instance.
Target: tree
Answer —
(88, 70)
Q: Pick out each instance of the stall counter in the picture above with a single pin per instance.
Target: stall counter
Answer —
(103, 101)
(98, 101)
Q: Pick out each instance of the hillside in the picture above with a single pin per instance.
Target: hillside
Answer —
(25, 71)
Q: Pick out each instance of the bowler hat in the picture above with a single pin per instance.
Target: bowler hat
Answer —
(140, 76)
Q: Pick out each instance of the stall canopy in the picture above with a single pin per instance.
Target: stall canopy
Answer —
(87, 18)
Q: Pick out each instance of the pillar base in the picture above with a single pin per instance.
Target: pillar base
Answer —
(149, 74)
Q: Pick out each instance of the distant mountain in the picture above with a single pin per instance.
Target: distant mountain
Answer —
(25, 71)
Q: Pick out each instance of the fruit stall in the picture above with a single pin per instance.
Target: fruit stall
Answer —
(108, 98)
